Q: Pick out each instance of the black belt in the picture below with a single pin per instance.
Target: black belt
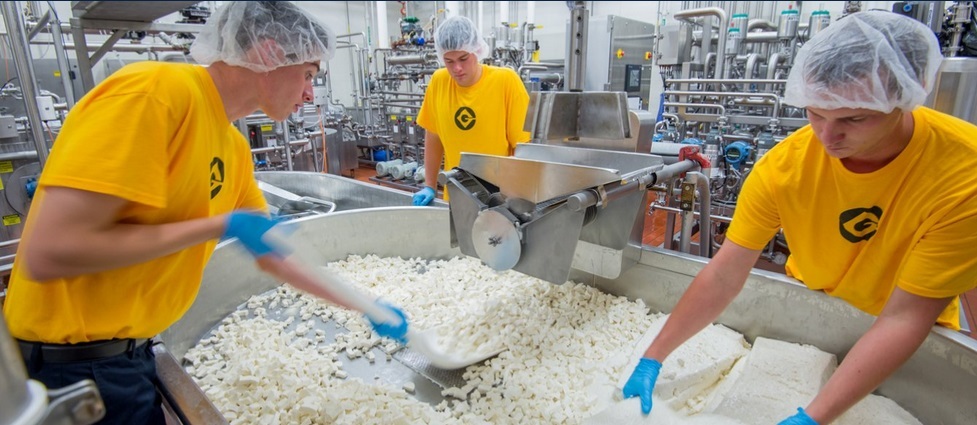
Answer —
(86, 351)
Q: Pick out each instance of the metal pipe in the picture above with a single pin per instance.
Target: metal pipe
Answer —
(62, 57)
(721, 218)
(751, 63)
(772, 64)
(28, 82)
(40, 24)
(760, 23)
(133, 48)
(278, 148)
(776, 98)
(724, 80)
(705, 212)
(761, 37)
(722, 109)
(411, 59)
(395, 93)
(10, 156)
(685, 15)
(398, 105)
(576, 58)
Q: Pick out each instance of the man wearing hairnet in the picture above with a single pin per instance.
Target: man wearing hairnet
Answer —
(147, 174)
(877, 199)
(468, 107)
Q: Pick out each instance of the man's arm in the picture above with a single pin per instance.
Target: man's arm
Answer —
(708, 295)
(902, 327)
(75, 232)
(433, 153)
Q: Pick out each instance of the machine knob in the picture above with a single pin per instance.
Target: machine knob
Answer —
(496, 240)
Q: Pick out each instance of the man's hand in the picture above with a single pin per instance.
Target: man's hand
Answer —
(424, 196)
(800, 418)
(642, 382)
(250, 227)
(394, 331)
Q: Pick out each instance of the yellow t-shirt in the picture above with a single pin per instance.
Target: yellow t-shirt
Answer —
(157, 135)
(485, 118)
(911, 224)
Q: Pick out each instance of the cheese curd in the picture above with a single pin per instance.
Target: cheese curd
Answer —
(568, 347)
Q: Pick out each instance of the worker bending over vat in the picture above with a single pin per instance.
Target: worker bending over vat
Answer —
(877, 199)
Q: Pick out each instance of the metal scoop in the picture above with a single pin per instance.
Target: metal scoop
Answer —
(424, 342)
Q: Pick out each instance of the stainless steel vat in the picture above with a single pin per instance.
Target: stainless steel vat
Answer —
(936, 385)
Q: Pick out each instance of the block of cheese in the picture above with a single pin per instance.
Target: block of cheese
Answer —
(777, 378)
(877, 410)
(695, 368)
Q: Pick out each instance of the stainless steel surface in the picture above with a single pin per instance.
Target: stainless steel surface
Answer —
(16, 400)
(937, 384)
(954, 90)
(496, 240)
(563, 116)
(75, 404)
(533, 180)
(347, 194)
(341, 152)
(127, 11)
(25, 72)
(609, 36)
(576, 54)
(554, 234)
(622, 162)
(188, 401)
(676, 45)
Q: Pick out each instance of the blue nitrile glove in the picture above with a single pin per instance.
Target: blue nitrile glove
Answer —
(424, 196)
(800, 418)
(642, 382)
(398, 331)
(249, 227)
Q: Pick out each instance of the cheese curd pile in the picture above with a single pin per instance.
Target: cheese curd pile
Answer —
(562, 341)
(569, 348)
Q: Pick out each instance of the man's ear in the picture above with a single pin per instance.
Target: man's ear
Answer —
(267, 52)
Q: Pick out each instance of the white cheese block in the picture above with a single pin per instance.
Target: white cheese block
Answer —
(778, 377)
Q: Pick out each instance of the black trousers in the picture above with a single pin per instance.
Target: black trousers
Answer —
(127, 383)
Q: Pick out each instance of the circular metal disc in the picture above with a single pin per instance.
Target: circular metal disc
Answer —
(496, 240)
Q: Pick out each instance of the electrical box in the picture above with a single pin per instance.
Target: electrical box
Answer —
(616, 48)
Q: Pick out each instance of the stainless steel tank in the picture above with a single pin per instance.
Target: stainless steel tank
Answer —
(937, 384)
(956, 83)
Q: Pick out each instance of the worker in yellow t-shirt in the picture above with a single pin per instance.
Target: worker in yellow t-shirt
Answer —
(854, 194)
(468, 106)
(146, 175)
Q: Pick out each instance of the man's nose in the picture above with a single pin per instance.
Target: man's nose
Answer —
(307, 93)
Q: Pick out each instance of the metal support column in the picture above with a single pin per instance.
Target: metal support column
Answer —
(28, 82)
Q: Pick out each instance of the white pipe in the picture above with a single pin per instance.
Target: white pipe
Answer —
(382, 34)
(451, 8)
(685, 15)
(531, 12)
(504, 11)
(481, 16)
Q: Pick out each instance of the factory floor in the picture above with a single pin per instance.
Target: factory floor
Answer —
(654, 235)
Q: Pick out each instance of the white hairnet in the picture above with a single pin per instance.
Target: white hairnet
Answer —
(459, 33)
(868, 60)
(239, 34)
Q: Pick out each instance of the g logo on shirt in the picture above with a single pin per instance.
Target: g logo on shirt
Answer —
(465, 118)
(859, 224)
(216, 177)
